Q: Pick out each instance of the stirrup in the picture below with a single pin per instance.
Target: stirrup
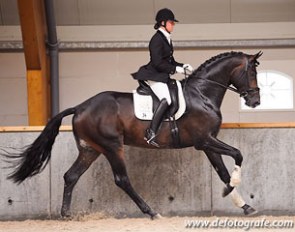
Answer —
(152, 142)
(150, 136)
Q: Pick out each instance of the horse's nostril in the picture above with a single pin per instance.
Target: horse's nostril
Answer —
(256, 104)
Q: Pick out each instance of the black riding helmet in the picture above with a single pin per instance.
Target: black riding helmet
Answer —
(164, 14)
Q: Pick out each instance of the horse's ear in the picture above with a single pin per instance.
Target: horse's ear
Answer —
(253, 58)
(256, 56)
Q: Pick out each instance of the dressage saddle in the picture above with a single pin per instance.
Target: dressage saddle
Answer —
(145, 89)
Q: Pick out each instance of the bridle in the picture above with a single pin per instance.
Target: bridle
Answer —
(244, 93)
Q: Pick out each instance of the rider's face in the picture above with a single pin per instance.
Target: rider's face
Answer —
(170, 25)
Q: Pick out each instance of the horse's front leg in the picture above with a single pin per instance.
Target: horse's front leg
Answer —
(214, 145)
(219, 166)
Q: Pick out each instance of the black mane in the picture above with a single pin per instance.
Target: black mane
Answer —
(213, 59)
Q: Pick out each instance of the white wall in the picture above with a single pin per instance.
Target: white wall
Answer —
(83, 73)
(13, 90)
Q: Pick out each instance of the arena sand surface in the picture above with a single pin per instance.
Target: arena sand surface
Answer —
(96, 223)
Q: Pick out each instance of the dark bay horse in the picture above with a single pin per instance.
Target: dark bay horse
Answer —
(105, 122)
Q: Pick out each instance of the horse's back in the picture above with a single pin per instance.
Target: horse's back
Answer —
(103, 101)
(102, 113)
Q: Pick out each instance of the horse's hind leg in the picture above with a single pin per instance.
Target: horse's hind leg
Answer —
(86, 157)
(218, 164)
(117, 163)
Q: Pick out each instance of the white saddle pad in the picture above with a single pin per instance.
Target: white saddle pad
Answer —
(143, 105)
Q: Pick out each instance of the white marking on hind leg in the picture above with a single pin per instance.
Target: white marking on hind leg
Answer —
(83, 143)
(235, 179)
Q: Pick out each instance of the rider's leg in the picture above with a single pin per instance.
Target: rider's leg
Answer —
(162, 92)
(158, 117)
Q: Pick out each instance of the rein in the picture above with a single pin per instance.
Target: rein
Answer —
(226, 87)
(242, 94)
(186, 75)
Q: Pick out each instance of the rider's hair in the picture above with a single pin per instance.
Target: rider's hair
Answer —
(159, 24)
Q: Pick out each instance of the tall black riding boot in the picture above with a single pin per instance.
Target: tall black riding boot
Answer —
(158, 117)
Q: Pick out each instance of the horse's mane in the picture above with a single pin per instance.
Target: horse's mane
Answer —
(213, 59)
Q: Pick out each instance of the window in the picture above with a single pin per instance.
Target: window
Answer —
(276, 91)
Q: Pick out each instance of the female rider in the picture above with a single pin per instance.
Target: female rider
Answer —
(161, 66)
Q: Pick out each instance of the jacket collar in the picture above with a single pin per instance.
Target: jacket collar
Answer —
(166, 34)
(165, 38)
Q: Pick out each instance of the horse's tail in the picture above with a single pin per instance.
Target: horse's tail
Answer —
(35, 157)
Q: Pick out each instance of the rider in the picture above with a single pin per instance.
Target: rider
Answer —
(161, 66)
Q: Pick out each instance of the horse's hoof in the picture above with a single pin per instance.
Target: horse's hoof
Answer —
(227, 190)
(156, 216)
(249, 211)
(66, 216)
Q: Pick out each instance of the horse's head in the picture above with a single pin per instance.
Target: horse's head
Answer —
(244, 78)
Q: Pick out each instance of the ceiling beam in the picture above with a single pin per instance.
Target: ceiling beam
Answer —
(33, 27)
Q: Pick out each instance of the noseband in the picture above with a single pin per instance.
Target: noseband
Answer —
(249, 91)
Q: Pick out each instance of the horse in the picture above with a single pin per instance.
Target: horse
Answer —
(104, 123)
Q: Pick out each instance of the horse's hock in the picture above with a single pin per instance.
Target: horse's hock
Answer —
(173, 182)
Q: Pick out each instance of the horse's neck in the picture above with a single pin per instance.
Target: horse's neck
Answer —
(215, 94)
(209, 89)
(213, 79)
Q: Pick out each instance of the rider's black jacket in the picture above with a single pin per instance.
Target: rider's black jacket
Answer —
(162, 63)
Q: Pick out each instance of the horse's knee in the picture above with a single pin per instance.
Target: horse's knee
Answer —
(238, 158)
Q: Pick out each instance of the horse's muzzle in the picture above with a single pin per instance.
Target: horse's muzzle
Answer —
(252, 97)
(252, 100)
(257, 103)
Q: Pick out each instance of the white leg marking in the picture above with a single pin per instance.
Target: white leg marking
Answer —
(83, 143)
(237, 199)
(235, 179)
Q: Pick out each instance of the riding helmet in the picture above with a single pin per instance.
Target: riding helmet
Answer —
(165, 14)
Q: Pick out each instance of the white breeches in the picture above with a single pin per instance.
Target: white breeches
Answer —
(161, 90)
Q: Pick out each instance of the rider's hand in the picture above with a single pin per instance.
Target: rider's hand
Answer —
(188, 67)
(179, 69)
